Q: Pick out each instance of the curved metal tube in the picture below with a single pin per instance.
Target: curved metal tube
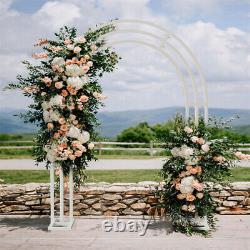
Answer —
(194, 86)
(197, 65)
(174, 64)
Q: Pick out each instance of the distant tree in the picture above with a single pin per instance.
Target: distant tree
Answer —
(140, 133)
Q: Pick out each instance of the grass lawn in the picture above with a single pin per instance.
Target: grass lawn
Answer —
(111, 176)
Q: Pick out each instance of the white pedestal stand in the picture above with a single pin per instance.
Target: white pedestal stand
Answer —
(60, 222)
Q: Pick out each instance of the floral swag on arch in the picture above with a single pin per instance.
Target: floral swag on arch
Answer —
(197, 162)
(66, 93)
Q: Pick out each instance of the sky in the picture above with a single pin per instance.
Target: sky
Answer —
(217, 31)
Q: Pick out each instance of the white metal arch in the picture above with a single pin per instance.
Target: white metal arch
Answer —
(164, 42)
(186, 65)
(179, 74)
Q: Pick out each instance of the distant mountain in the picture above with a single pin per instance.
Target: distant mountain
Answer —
(115, 122)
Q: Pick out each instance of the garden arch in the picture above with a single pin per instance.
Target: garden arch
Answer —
(167, 42)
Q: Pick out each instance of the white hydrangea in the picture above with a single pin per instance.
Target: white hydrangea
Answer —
(74, 70)
(51, 150)
(186, 185)
(51, 115)
(56, 101)
(75, 82)
(74, 132)
(46, 105)
(184, 152)
(84, 137)
(59, 61)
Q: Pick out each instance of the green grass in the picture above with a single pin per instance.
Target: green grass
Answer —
(111, 176)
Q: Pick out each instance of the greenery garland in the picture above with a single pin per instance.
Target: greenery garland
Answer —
(66, 93)
(195, 161)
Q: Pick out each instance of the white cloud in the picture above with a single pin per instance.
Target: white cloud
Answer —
(143, 77)
(56, 14)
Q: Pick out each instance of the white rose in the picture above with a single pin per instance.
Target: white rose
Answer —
(205, 147)
(191, 161)
(186, 152)
(70, 47)
(77, 49)
(194, 139)
(84, 137)
(54, 116)
(175, 152)
(99, 96)
(46, 105)
(186, 185)
(73, 70)
(58, 61)
(91, 146)
(56, 100)
(80, 39)
(75, 82)
(74, 132)
(188, 130)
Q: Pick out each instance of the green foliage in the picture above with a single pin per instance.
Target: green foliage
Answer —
(92, 50)
(196, 158)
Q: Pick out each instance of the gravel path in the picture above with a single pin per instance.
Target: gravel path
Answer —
(28, 164)
(88, 233)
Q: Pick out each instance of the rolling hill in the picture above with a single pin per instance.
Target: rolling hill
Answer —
(114, 122)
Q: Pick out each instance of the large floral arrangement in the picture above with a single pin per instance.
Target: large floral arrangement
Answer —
(66, 93)
(195, 161)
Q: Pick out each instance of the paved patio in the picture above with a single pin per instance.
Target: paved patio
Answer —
(21, 233)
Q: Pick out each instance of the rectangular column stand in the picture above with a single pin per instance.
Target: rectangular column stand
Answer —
(62, 222)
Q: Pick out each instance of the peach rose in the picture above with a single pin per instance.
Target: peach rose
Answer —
(72, 157)
(181, 196)
(199, 169)
(50, 126)
(188, 167)
(39, 55)
(64, 93)
(82, 60)
(78, 153)
(79, 107)
(41, 42)
(85, 68)
(178, 186)
(198, 186)
(201, 141)
(56, 135)
(199, 195)
(182, 174)
(184, 207)
(73, 91)
(64, 127)
(191, 208)
(190, 197)
(193, 171)
(75, 122)
(58, 85)
(77, 49)
(63, 145)
(62, 121)
(83, 98)
(67, 41)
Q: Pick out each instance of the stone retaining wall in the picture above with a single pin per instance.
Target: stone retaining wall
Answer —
(113, 199)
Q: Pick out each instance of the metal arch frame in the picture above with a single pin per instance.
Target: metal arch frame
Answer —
(179, 74)
(188, 69)
(66, 222)
(195, 63)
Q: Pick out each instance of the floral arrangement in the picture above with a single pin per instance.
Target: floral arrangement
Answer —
(195, 161)
(66, 93)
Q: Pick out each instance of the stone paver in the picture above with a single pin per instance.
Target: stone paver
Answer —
(87, 233)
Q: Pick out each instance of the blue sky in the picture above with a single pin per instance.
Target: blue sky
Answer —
(217, 31)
